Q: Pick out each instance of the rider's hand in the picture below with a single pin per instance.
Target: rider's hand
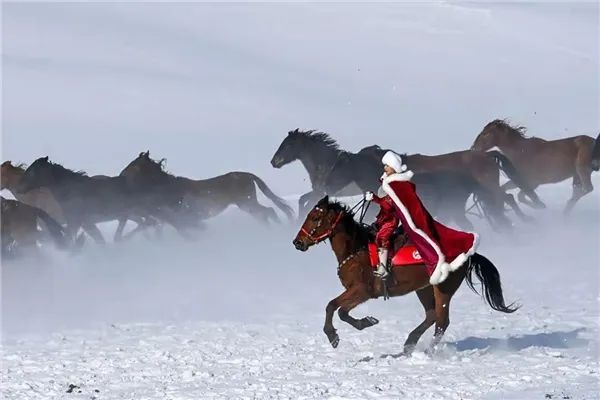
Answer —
(369, 196)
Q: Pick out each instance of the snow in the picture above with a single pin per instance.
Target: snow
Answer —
(237, 313)
(242, 318)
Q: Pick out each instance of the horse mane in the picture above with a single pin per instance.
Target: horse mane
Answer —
(66, 171)
(354, 228)
(161, 164)
(317, 137)
(519, 130)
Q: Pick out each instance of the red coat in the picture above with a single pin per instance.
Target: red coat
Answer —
(443, 249)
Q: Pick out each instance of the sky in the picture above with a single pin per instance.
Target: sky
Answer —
(215, 87)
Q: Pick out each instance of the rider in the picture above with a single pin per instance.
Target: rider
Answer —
(442, 249)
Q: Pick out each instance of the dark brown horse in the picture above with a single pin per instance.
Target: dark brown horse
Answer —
(596, 155)
(211, 196)
(349, 241)
(20, 231)
(541, 161)
(42, 198)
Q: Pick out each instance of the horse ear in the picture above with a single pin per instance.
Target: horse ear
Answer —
(324, 200)
(147, 153)
(45, 159)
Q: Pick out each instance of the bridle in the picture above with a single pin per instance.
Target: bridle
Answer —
(328, 233)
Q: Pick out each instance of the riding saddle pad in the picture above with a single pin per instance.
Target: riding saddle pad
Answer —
(405, 255)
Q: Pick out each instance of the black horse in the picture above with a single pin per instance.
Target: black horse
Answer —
(596, 154)
(337, 172)
(445, 193)
(86, 201)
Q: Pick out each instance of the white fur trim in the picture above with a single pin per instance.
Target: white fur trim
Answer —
(411, 223)
(463, 257)
(440, 273)
(442, 269)
(393, 160)
(399, 177)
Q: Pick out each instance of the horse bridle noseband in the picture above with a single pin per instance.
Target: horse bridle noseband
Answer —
(318, 239)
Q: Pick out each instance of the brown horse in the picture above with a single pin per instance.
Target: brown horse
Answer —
(42, 198)
(211, 196)
(482, 167)
(541, 161)
(349, 241)
(20, 231)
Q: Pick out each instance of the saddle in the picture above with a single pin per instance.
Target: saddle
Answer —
(402, 252)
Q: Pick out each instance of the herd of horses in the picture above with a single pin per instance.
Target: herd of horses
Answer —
(57, 204)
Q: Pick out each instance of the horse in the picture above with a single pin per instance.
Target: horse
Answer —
(10, 176)
(595, 163)
(541, 161)
(349, 241)
(445, 193)
(86, 201)
(19, 222)
(318, 152)
(208, 197)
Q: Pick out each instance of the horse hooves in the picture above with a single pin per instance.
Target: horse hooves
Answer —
(334, 339)
(367, 322)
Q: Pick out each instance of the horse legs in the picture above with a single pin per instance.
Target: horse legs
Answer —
(353, 295)
(582, 185)
(94, 232)
(348, 304)
(262, 213)
(427, 298)
(443, 293)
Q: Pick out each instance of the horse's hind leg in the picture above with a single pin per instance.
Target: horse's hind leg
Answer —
(258, 211)
(427, 298)
(582, 185)
(443, 293)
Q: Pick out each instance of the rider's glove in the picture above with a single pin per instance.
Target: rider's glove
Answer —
(369, 196)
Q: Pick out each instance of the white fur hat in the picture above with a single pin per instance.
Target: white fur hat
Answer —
(394, 160)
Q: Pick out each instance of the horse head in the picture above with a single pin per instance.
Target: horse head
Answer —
(320, 224)
(497, 134)
(39, 173)
(143, 168)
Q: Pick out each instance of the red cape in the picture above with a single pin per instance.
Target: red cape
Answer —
(443, 249)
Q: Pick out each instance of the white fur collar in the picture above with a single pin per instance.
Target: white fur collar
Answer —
(399, 177)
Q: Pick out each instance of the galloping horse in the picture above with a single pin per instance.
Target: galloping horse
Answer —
(86, 201)
(445, 193)
(319, 154)
(211, 196)
(541, 161)
(10, 177)
(20, 227)
(349, 241)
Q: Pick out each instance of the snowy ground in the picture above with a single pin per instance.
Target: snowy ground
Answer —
(216, 319)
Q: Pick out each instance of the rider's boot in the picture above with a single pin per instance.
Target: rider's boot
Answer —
(381, 270)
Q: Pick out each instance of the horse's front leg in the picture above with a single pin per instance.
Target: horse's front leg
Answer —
(347, 299)
(357, 296)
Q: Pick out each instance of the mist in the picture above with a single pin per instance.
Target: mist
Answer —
(215, 88)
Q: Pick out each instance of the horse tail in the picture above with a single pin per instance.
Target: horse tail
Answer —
(596, 155)
(509, 169)
(54, 228)
(489, 277)
(279, 202)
